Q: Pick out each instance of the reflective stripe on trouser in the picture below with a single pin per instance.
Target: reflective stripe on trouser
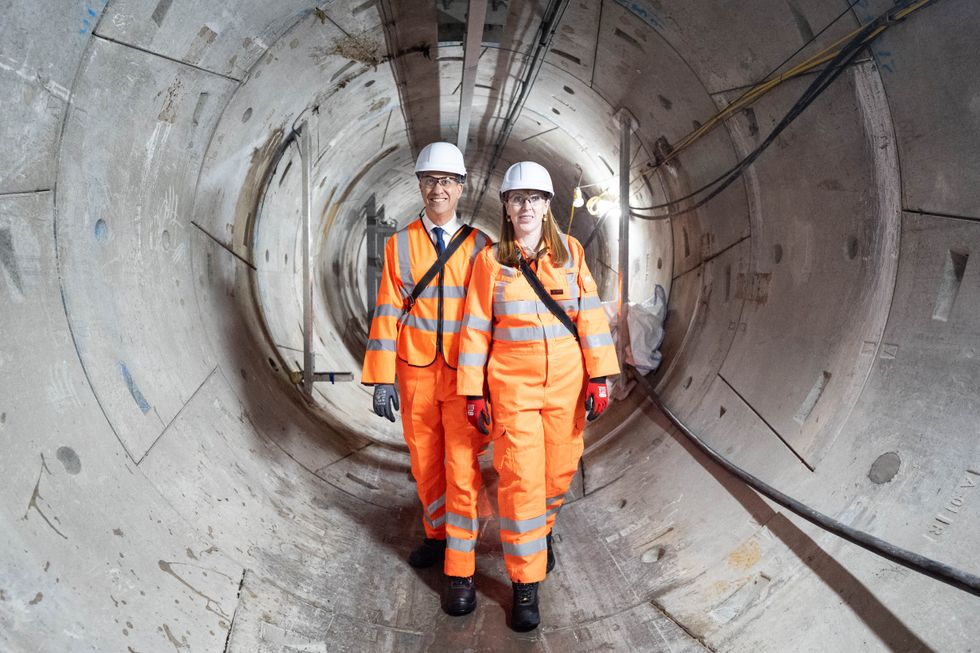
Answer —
(426, 418)
(534, 388)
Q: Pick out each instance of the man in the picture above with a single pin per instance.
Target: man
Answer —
(415, 338)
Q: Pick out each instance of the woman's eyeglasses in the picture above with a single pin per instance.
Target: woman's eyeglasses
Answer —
(518, 199)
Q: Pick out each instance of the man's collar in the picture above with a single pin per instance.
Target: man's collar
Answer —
(450, 227)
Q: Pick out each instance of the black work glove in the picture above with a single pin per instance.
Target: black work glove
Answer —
(386, 400)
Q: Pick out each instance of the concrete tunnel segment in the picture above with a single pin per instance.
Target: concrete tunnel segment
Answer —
(167, 488)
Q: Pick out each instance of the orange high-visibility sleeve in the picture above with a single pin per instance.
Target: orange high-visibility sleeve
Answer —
(379, 359)
(598, 350)
(477, 325)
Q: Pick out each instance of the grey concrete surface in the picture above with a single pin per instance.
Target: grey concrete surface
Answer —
(167, 488)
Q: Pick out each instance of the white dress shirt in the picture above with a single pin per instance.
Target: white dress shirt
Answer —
(448, 230)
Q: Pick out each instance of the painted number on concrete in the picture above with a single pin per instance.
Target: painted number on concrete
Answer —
(949, 513)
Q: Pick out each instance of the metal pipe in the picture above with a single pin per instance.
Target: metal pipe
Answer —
(475, 19)
(305, 160)
(626, 125)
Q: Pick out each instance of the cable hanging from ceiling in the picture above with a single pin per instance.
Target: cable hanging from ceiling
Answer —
(837, 62)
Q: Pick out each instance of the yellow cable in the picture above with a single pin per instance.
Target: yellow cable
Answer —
(753, 94)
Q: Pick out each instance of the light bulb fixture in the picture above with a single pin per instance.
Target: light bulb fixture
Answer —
(577, 200)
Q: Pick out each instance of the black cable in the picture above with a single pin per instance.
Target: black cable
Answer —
(831, 72)
(914, 561)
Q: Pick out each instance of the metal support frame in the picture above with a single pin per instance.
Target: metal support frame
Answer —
(627, 123)
(305, 151)
(476, 17)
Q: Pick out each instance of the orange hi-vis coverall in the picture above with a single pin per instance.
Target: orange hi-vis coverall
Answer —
(420, 347)
(537, 375)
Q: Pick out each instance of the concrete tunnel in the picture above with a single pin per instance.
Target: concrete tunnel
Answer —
(167, 485)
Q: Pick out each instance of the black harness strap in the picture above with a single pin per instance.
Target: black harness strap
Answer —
(451, 248)
(543, 295)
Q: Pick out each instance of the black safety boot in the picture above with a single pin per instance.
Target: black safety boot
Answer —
(460, 596)
(524, 612)
(429, 553)
(551, 555)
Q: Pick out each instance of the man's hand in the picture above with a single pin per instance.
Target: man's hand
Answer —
(386, 400)
(596, 398)
(476, 413)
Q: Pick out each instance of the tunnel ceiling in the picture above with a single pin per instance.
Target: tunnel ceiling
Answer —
(168, 487)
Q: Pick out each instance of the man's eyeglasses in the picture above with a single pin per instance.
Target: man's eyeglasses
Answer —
(428, 181)
(516, 199)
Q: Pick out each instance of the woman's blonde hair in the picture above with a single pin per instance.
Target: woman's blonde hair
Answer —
(508, 252)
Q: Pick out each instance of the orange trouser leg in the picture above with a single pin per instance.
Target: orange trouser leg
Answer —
(463, 479)
(424, 434)
(533, 387)
(564, 442)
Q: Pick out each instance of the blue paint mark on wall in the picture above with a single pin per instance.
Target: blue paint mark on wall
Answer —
(133, 390)
(87, 17)
(101, 230)
(644, 12)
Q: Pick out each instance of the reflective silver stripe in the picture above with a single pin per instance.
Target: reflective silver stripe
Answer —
(435, 523)
(557, 497)
(573, 290)
(379, 344)
(472, 360)
(441, 501)
(459, 521)
(529, 306)
(425, 324)
(590, 302)
(522, 525)
(525, 548)
(508, 271)
(387, 310)
(515, 307)
(553, 511)
(448, 292)
(463, 546)
(597, 340)
(404, 262)
(524, 334)
(564, 241)
(498, 291)
(479, 243)
(478, 323)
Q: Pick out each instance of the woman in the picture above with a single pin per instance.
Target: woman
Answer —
(539, 374)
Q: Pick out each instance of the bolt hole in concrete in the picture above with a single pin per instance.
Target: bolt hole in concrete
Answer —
(369, 83)
(885, 467)
(569, 90)
(777, 252)
(660, 263)
(68, 458)
(653, 555)
(687, 383)
(247, 115)
(101, 230)
(852, 247)
(165, 239)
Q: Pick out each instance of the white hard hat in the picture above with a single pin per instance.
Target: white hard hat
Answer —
(529, 175)
(440, 157)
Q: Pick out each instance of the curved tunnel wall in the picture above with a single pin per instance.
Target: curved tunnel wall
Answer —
(166, 488)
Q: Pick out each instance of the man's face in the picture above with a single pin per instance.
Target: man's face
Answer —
(440, 192)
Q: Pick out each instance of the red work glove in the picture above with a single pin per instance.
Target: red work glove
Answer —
(477, 414)
(596, 398)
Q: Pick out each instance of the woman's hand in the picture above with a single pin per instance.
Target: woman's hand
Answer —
(477, 414)
(596, 398)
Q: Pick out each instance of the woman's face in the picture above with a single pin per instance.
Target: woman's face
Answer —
(526, 209)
